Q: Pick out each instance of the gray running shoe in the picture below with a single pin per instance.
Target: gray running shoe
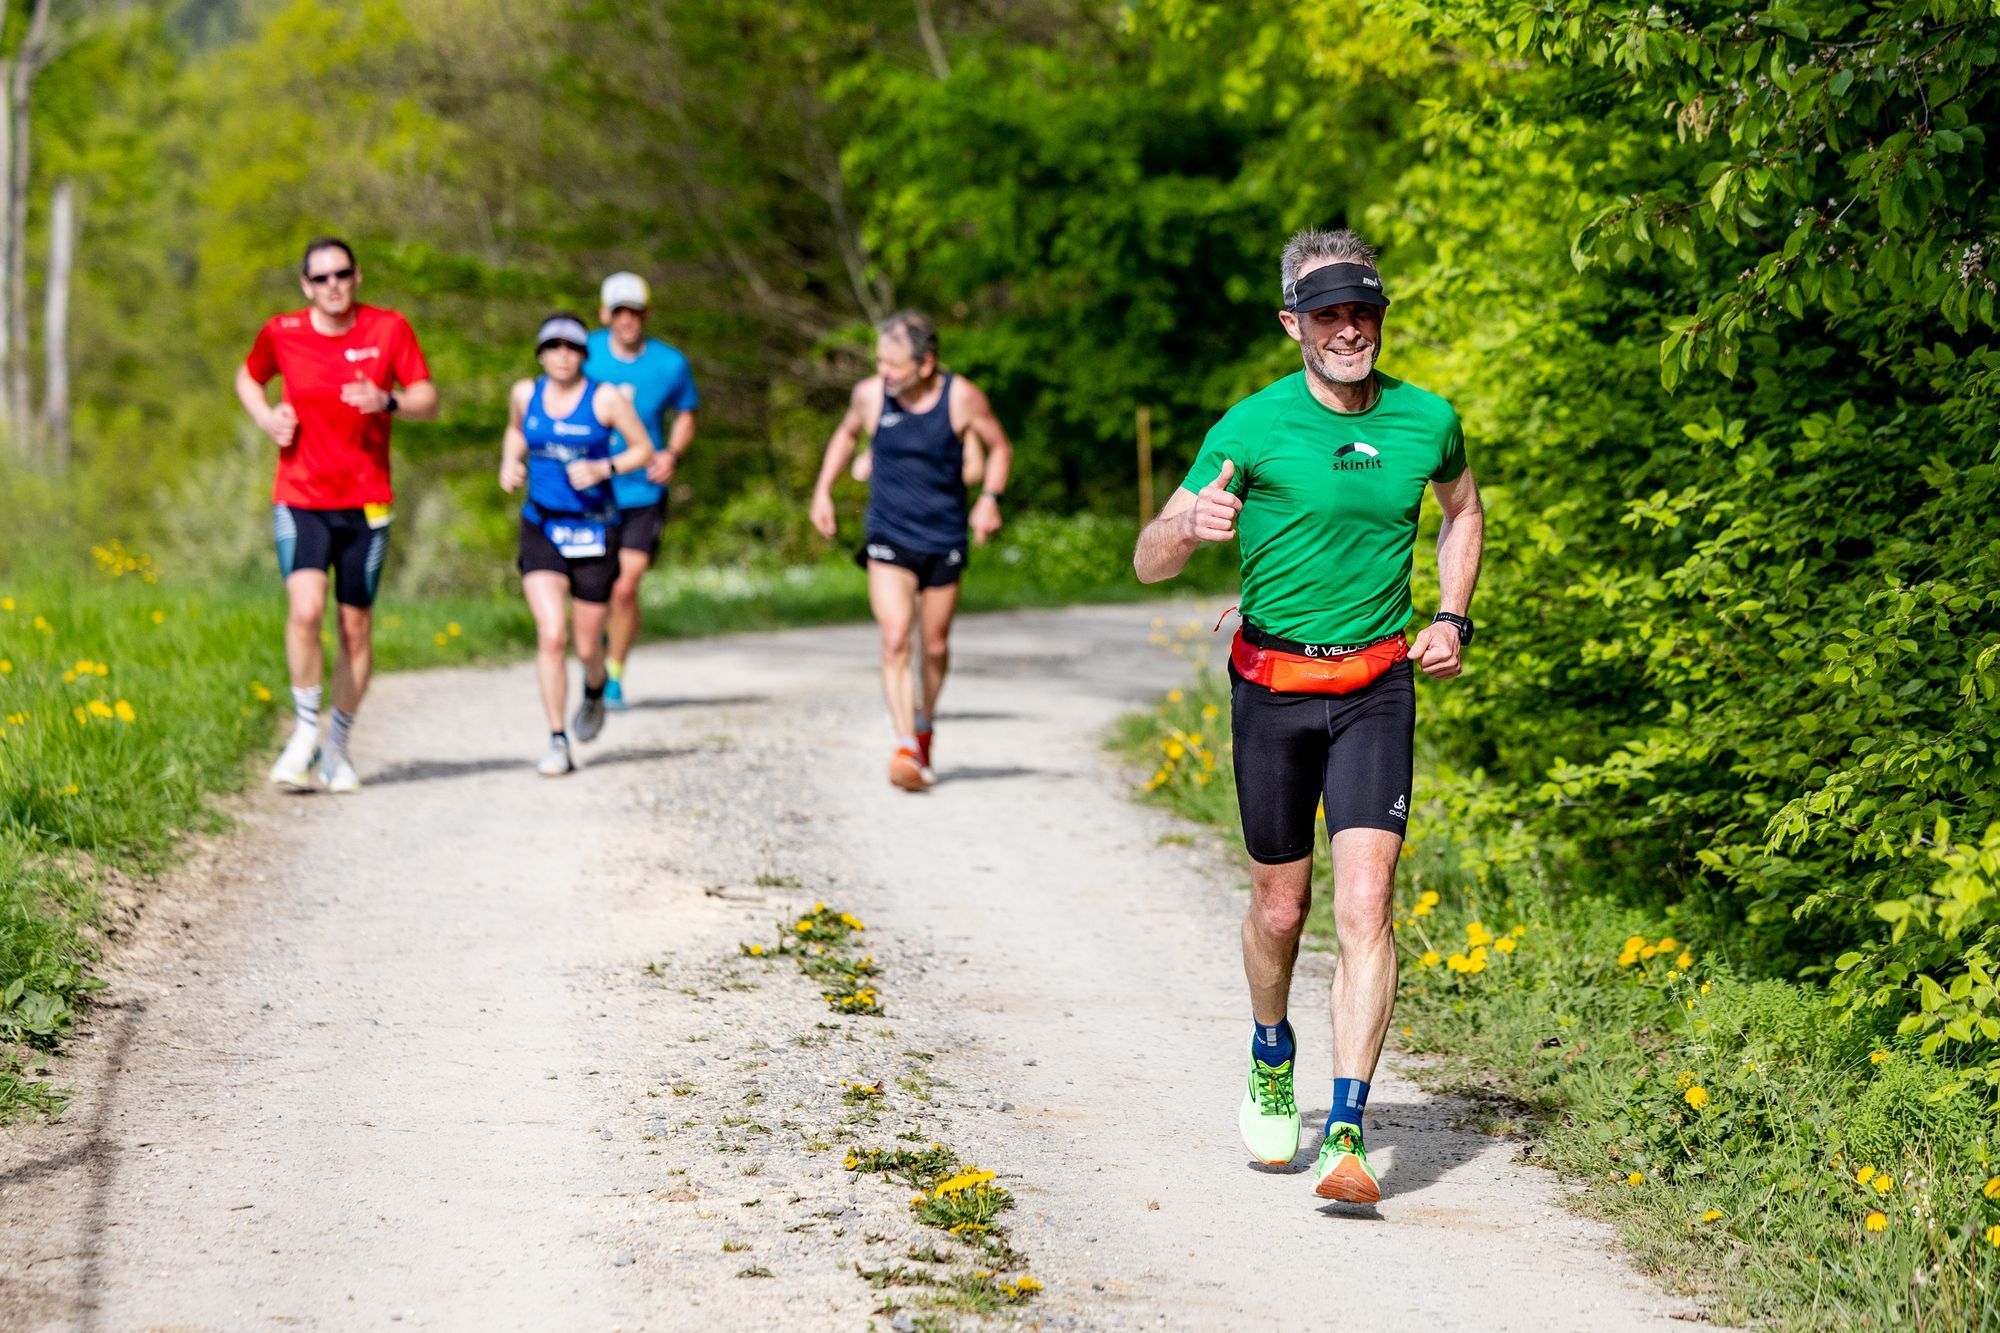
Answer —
(589, 719)
(556, 763)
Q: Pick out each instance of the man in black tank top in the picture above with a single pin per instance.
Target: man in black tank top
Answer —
(921, 422)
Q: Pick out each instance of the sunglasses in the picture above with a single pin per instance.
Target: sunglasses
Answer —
(338, 275)
(563, 344)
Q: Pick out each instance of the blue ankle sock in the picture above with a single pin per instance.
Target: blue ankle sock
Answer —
(1273, 1043)
(1350, 1099)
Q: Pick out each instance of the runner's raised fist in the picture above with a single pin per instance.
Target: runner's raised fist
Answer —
(281, 424)
(1213, 518)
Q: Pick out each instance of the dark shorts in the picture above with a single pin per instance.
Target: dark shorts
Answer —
(934, 569)
(590, 577)
(639, 529)
(338, 541)
(1353, 750)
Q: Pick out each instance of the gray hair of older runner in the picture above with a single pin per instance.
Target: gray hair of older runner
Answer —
(1311, 244)
(916, 329)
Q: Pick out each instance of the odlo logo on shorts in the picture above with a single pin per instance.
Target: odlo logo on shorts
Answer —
(1400, 809)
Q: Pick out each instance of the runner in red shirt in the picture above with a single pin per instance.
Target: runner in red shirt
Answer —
(348, 370)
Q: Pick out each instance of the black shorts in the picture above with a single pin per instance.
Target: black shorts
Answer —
(590, 576)
(338, 541)
(639, 529)
(934, 569)
(1354, 750)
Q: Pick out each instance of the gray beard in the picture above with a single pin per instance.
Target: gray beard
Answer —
(1321, 366)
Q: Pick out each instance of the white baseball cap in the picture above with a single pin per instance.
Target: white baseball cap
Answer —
(625, 291)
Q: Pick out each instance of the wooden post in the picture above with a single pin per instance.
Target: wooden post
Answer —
(1145, 465)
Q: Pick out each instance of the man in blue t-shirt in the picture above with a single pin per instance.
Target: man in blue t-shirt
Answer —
(657, 379)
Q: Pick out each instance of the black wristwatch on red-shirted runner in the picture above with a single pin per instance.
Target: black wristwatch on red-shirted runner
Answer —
(1460, 623)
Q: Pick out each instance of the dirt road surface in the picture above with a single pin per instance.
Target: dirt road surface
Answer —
(475, 1050)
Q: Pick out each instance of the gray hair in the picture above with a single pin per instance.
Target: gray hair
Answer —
(916, 329)
(1344, 246)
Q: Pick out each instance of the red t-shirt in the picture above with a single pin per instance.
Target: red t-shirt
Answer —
(339, 459)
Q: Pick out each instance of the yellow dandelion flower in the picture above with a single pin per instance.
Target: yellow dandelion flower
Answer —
(803, 927)
(1627, 958)
(1026, 1284)
(81, 714)
(1876, 1058)
(6, 665)
(1634, 943)
(1864, 1175)
(1697, 1096)
(1431, 958)
(1457, 962)
(1877, 1220)
(70, 790)
(1993, 1234)
(1667, 945)
(851, 921)
(1704, 990)
(1421, 909)
(1648, 951)
(1690, 1006)
(99, 708)
(440, 640)
(1476, 934)
(1884, 1183)
(124, 711)
(1992, 1187)
(1476, 964)
(1175, 750)
(159, 617)
(101, 668)
(69, 677)
(1635, 1179)
(1173, 696)
(6, 604)
(1518, 931)
(1684, 1079)
(1209, 712)
(1506, 944)
(1712, 1215)
(1686, 961)
(452, 629)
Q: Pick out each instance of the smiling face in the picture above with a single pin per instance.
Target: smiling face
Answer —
(627, 325)
(331, 281)
(1338, 343)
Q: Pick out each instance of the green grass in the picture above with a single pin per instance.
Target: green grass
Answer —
(1719, 1120)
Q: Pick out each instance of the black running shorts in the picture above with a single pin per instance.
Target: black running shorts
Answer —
(590, 577)
(934, 569)
(639, 528)
(337, 541)
(1354, 750)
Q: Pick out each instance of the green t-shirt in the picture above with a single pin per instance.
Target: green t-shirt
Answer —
(1330, 504)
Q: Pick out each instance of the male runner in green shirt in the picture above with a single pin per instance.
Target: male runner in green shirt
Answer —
(1323, 474)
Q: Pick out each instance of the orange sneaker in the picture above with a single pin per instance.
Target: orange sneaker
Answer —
(906, 770)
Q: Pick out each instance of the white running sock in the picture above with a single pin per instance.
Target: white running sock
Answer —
(336, 737)
(305, 707)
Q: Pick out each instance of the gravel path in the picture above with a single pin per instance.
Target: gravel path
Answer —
(475, 1050)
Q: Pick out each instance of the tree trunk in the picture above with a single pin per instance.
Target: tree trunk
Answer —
(27, 64)
(933, 45)
(55, 324)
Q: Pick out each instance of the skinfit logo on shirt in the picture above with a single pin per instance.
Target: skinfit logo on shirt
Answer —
(1356, 456)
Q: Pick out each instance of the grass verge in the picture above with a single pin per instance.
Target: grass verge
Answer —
(1787, 1167)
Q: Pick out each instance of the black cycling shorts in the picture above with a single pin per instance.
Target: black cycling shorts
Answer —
(1354, 750)
(639, 528)
(337, 541)
(934, 569)
(590, 576)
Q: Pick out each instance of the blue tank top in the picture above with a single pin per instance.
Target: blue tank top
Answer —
(553, 445)
(916, 494)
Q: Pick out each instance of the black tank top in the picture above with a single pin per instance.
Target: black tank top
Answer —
(916, 494)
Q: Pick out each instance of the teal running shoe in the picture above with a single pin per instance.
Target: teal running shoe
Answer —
(614, 694)
(1343, 1173)
(1270, 1116)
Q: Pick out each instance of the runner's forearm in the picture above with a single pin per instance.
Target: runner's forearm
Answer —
(1163, 550)
(1461, 537)
(252, 395)
(681, 434)
(839, 449)
(417, 402)
(999, 462)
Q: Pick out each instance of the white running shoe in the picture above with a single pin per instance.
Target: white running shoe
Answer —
(339, 775)
(556, 763)
(293, 771)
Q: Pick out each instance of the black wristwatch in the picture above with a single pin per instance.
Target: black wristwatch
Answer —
(1460, 623)
(392, 405)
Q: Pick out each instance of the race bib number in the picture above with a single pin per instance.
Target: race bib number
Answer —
(378, 516)
(575, 540)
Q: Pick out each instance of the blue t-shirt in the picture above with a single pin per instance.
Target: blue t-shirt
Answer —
(658, 383)
(553, 444)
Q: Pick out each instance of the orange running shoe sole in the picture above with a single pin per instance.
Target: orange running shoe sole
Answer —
(1348, 1183)
(906, 773)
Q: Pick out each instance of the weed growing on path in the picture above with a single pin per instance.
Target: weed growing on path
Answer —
(819, 942)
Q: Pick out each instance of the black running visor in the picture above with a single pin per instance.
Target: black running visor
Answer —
(1335, 284)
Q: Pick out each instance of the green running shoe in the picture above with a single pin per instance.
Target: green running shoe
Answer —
(1343, 1172)
(1270, 1118)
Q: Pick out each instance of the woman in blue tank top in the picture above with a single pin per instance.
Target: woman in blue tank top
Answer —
(558, 444)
